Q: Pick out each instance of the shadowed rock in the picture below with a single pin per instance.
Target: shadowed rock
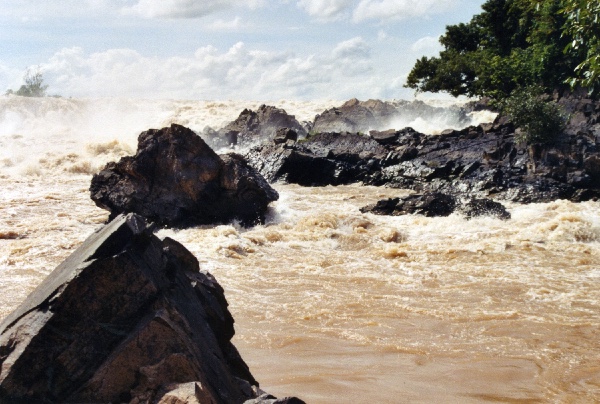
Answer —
(126, 318)
(175, 179)
(322, 159)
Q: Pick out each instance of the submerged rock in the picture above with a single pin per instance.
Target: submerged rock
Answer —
(126, 318)
(176, 179)
(430, 204)
(434, 204)
(484, 207)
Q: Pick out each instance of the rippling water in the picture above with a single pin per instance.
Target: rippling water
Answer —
(333, 305)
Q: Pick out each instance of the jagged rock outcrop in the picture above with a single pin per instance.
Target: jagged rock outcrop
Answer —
(363, 116)
(487, 161)
(126, 318)
(434, 204)
(175, 179)
(477, 161)
(253, 127)
(323, 159)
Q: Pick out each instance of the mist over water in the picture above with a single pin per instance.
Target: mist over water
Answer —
(330, 304)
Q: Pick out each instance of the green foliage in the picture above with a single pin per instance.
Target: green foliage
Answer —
(33, 86)
(510, 45)
(540, 121)
(582, 27)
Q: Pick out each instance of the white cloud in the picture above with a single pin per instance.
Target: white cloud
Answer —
(326, 9)
(222, 25)
(355, 48)
(399, 9)
(185, 8)
(176, 8)
(238, 72)
(428, 45)
(33, 10)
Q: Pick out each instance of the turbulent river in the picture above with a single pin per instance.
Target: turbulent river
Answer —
(330, 304)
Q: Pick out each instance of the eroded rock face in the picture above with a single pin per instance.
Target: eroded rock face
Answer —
(253, 127)
(126, 318)
(323, 159)
(175, 179)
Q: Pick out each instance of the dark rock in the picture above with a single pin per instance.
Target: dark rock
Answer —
(126, 318)
(484, 207)
(269, 399)
(284, 134)
(476, 161)
(175, 179)
(253, 127)
(428, 204)
(389, 136)
(322, 159)
(437, 204)
(363, 116)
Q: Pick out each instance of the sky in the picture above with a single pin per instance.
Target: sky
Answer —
(223, 49)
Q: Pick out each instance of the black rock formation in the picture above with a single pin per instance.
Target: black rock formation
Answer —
(477, 161)
(126, 318)
(175, 179)
(435, 204)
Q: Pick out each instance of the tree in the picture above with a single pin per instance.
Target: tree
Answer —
(582, 27)
(33, 86)
(512, 44)
(539, 121)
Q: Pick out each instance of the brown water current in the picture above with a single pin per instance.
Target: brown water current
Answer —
(333, 305)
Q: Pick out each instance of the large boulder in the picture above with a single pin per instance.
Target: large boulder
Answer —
(126, 318)
(322, 159)
(252, 127)
(176, 179)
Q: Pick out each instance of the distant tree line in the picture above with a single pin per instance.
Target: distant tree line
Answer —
(34, 85)
(516, 44)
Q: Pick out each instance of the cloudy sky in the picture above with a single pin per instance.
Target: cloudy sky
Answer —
(223, 49)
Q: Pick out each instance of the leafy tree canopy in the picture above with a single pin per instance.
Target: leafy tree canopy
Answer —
(582, 27)
(514, 44)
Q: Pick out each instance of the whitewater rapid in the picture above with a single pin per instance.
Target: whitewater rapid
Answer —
(330, 304)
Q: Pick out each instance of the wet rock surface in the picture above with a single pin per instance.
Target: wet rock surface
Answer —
(477, 161)
(435, 204)
(126, 318)
(175, 179)
(323, 159)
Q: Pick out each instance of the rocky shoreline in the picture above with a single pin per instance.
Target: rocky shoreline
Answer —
(477, 161)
